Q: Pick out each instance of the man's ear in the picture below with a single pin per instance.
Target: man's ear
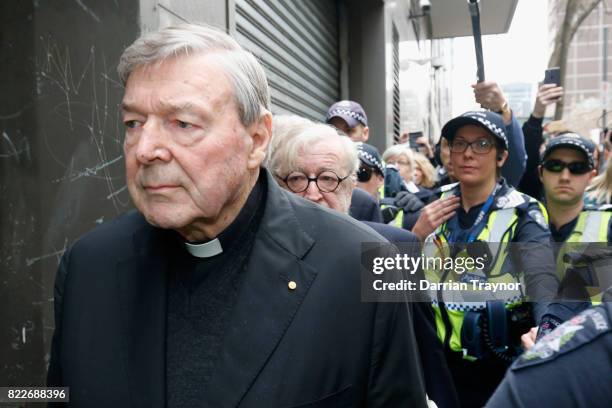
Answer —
(366, 133)
(540, 173)
(261, 133)
(592, 174)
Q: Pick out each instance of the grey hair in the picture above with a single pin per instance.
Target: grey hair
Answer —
(284, 159)
(247, 76)
(284, 127)
(399, 150)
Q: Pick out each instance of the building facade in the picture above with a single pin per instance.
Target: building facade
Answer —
(587, 92)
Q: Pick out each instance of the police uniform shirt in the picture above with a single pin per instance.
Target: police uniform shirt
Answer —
(530, 228)
(538, 263)
(563, 233)
(570, 367)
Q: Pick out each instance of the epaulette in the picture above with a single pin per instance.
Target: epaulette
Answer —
(510, 199)
(580, 330)
(524, 204)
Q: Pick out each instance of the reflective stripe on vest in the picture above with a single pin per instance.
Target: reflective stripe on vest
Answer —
(498, 232)
(500, 229)
(592, 226)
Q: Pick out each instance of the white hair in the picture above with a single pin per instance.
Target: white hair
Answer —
(245, 73)
(396, 151)
(285, 157)
(284, 127)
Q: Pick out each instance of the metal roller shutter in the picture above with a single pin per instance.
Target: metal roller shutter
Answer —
(297, 42)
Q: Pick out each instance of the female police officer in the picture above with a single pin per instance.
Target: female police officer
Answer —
(481, 334)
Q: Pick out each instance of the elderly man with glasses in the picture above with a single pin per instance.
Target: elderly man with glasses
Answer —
(319, 164)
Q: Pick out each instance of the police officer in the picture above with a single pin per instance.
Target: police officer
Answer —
(371, 177)
(479, 337)
(350, 118)
(570, 367)
(566, 170)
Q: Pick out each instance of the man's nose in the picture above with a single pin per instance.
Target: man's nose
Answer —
(152, 144)
(312, 192)
(565, 174)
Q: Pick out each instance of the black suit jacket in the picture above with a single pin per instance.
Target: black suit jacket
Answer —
(315, 346)
(438, 380)
(364, 207)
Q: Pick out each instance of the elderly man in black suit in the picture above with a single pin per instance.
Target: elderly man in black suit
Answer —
(221, 289)
(319, 163)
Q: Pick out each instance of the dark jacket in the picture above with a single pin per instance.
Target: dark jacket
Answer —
(530, 183)
(364, 207)
(438, 381)
(568, 368)
(514, 168)
(318, 345)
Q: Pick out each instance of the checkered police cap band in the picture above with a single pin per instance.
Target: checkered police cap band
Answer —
(501, 133)
(369, 157)
(474, 306)
(347, 112)
(571, 140)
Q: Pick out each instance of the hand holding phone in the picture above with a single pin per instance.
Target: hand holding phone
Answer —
(413, 139)
(552, 76)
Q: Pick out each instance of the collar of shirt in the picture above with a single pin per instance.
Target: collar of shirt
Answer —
(232, 233)
(563, 233)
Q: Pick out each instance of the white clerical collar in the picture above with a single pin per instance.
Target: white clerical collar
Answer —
(205, 250)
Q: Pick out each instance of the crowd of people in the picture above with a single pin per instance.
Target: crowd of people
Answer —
(236, 280)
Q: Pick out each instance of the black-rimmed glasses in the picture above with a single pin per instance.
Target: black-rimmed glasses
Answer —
(326, 181)
(480, 146)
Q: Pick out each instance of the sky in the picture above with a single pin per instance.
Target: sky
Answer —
(521, 55)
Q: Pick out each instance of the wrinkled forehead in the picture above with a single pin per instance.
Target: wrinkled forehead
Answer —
(319, 156)
(193, 85)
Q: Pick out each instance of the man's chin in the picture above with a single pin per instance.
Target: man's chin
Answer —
(163, 222)
(166, 219)
(566, 198)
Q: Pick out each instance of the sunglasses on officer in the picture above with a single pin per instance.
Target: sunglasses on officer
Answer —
(364, 174)
(557, 166)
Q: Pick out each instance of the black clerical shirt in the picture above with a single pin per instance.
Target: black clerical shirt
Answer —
(201, 296)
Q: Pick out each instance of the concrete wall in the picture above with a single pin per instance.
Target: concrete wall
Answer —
(60, 154)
